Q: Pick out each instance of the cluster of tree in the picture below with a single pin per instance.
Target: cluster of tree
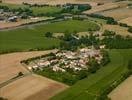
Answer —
(110, 20)
(108, 33)
(123, 25)
(130, 29)
(72, 41)
(75, 8)
(1, 98)
(117, 42)
(24, 12)
(130, 65)
(49, 34)
(35, 5)
(105, 60)
(93, 65)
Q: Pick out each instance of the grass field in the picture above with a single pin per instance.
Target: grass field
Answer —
(46, 10)
(91, 87)
(36, 10)
(23, 39)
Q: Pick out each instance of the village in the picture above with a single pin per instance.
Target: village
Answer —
(67, 59)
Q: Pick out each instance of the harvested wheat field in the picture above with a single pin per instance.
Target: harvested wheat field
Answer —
(127, 21)
(10, 63)
(4, 25)
(118, 29)
(50, 2)
(32, 87)
(123, 91)
(118, 14)
(101, 8)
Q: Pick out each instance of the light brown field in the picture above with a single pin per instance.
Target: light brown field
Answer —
(118, 14)
(123, 91)
(50, 2)
(10, 63)
(118, 29)
(32, 87)
(127, 21)
(101, 8)
(20, 22)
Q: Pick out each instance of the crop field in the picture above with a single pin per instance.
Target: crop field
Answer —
(117, 13)
(13, 67)
(32, 87)
(91, 87)
(45, 10)
(127, 21)
(23, 39)
(104, 7)
(4, 25)
(123, 91)
(118, 29)
(51, 2)
(36, 10)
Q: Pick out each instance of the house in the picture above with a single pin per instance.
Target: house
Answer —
(13, 19)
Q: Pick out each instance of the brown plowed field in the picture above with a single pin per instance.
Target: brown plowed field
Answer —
(123, 91)
(10, 63)
(32, 87)
(51, 2)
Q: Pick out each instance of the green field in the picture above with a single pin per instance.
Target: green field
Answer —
(23, 39)
(36, 10)
(92, 86)
(46, 10)
(13, 6)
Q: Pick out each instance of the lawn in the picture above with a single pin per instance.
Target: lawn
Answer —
(22, 39)
(92, 86)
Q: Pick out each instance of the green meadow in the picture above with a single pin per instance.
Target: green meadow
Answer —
(23, 39)
(93, 85)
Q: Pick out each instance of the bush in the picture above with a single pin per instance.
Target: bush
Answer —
(130, 29)
(130, 65)
(48, 34)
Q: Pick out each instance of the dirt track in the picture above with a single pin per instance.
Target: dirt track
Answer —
(123, 91)
(10, 63)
